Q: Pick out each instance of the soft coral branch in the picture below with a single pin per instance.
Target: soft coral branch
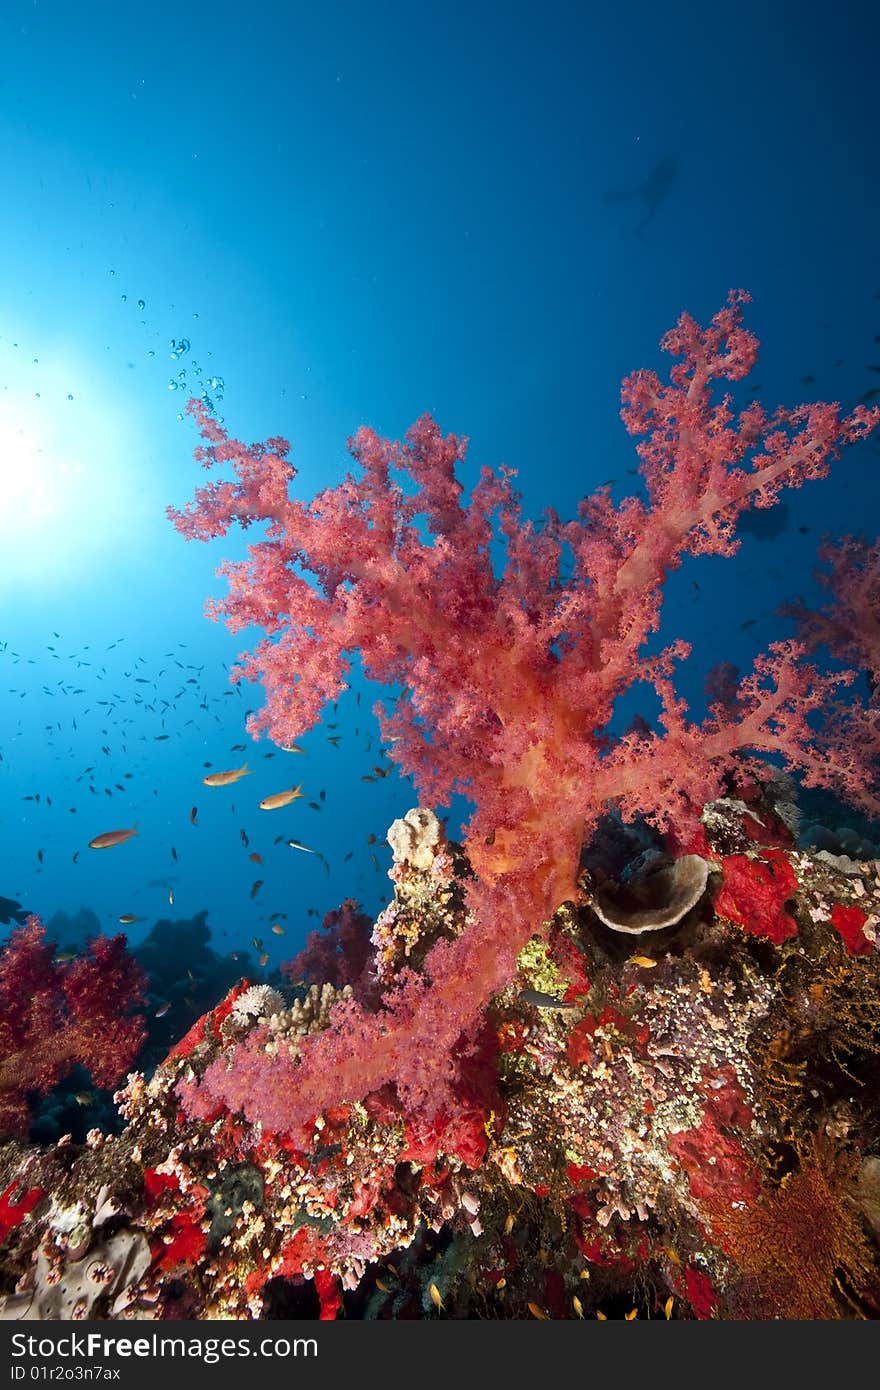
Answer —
(848, 626)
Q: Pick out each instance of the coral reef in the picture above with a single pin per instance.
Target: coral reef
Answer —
(509, 673)
(494, 1101)
(694, 1135)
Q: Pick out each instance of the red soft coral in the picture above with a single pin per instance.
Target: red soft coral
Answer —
(849, 922)
(340, 953)
(54, 1014)
(754, 893)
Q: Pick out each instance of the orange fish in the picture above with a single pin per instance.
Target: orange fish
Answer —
(111, 838)
(279, 799)
(223, 779)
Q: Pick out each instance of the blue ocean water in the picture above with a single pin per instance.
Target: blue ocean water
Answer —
(329, 217)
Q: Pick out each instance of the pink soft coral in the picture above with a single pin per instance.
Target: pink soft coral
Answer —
(849, 626)
(509, 680)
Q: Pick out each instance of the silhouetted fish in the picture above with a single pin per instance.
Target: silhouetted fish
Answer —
(11, 911)
(653, 191)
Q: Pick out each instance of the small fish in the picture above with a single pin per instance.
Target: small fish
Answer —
(667, 1307)
(537, 1312)
(224, 779)
(601, 1316)
(644, 961)
(436, 1297)
(163, 1009)
(65, 957)
(194, 811)
(84, 1097)
(257, 943)
(537, 999)
(279, 799)
(256, 886)
(295, 844)
(383, 1287)
(632, 1314)
(508, 1223)
(128, 919)
(264, 960)
(277, 929)
(291, 748)
(255, 858)
(171, 897)
(173, 853)
(244, 839)
(111, 838)
(577, 1305)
